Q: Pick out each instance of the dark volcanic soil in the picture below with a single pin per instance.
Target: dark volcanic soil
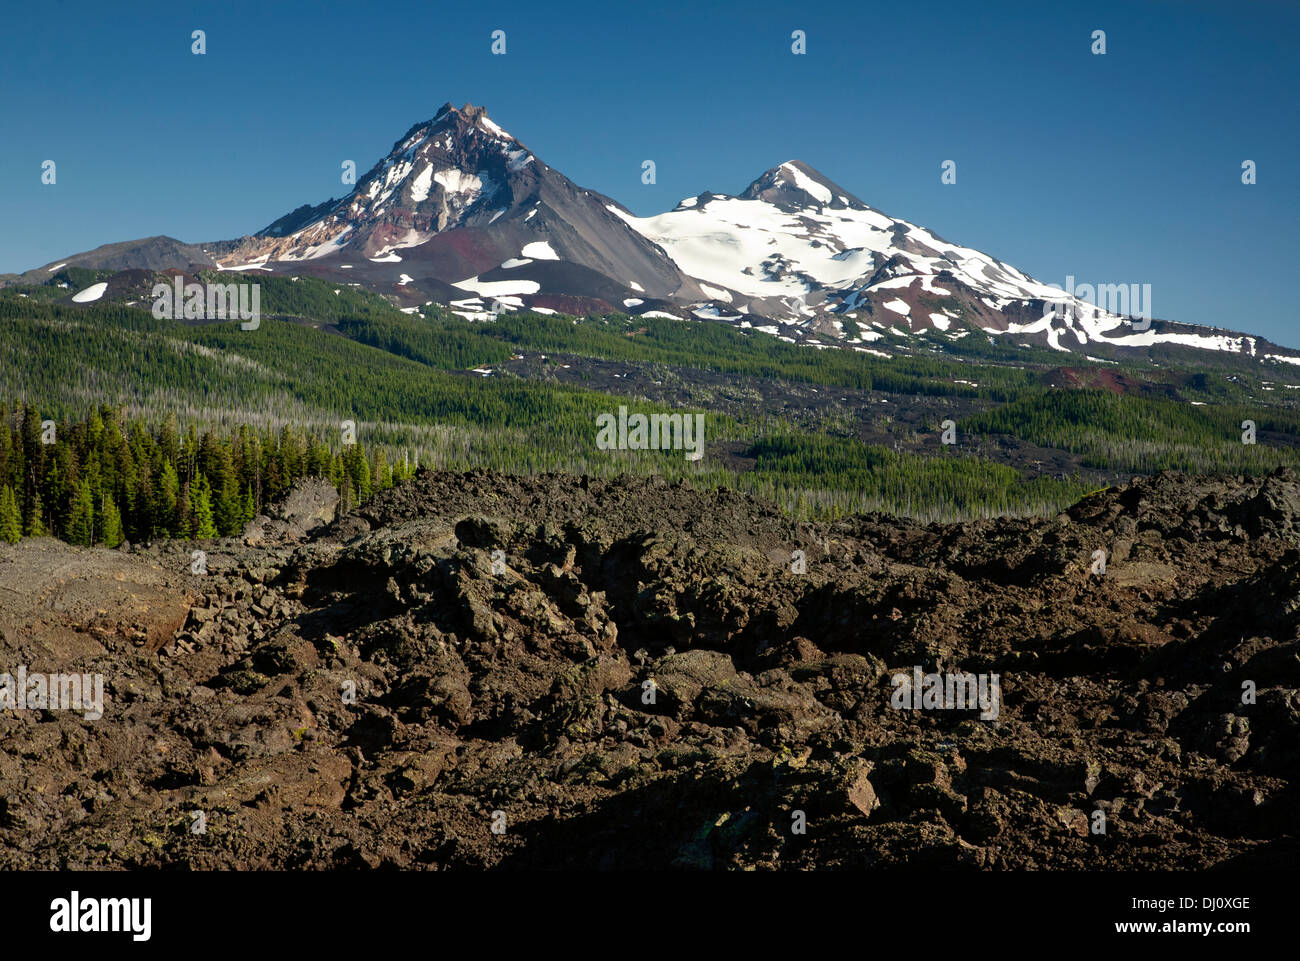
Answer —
(499, 716)
(904, 422)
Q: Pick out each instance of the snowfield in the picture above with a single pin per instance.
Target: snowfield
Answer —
(539, 250)
(794, 254)
(93, 292)
(499, 288)
(456, 181)
(420, 188)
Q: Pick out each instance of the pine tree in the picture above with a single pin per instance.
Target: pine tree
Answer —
(360, 471)
(33, 450)
(16, 472)
(204, 523)
(81, 516)
(35, 524)
(184, 513)
(166, 513)
(11, 522)
(227, 507)
(141, 510)
(379, 472)
(318, 459)
(6, 446)
(110, 524)
(169, 440)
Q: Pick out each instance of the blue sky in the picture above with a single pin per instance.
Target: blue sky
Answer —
(1123, 168)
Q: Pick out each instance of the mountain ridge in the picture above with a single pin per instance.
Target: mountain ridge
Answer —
(462, 212)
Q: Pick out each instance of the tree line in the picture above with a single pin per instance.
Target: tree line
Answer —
(107, 478)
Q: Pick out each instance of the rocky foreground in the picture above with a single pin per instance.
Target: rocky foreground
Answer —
(477, 671)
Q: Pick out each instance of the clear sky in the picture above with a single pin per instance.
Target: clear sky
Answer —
(1122, 168)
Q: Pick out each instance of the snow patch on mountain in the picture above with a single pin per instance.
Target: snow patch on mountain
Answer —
(499, 288)
(539, 250)
(456, 181)
(422, 183)
(93, 292)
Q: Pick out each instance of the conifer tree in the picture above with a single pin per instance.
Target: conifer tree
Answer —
(81, 516)
(110, 524)
(167, 519)
(360, 472)
(204, 523)
(381, 476)
(184, 513)
(11, 522)
(35, 524)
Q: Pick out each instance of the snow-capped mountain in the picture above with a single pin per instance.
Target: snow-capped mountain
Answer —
(797, 248)
(474, 217)
(462, 213)
(795, 244)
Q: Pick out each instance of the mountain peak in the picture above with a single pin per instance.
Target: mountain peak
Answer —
(456, 198)
(454, 170)
(469, 117)
(794, 184)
